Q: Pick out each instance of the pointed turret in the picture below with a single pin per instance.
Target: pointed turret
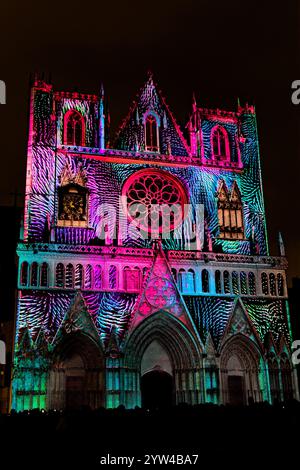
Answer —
(101, 119)
(194, 103)
(281, 246)
(107, 126)
(194, 128)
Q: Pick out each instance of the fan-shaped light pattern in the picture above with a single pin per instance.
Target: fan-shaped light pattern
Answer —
(268, 316)
(43, 310)
(47, 310)
(110, 309)
(210, 314)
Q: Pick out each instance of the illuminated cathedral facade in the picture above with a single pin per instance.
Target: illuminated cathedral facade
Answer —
(112, 308)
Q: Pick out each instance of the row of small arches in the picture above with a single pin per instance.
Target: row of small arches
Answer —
(77, 276)
(229, 282)
(272, 284)
(91, 277)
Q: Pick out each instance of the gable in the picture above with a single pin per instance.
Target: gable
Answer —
(131, 135)
(240, 323)
(160, 293)
(77, 319)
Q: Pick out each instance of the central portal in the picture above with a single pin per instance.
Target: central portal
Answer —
(157, 377)
(157, 389)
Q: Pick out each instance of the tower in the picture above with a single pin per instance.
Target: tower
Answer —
(106, 300)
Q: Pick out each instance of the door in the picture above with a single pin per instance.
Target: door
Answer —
(74, 391)
(157, 390)
(236, 389)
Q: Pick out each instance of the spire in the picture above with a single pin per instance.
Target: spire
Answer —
(194, 103)
(137, 145)
(281, 245)
(107, 126)
(101, 119)
(150, 75)
(165, 121)
(22, 228)
(137, 116)
(101, 90)
(193, 128)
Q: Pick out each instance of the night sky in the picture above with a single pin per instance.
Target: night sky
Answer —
(219, 50)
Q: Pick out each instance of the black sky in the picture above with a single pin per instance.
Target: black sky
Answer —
(217, 49)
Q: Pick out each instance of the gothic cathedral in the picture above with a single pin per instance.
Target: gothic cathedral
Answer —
(144, 270)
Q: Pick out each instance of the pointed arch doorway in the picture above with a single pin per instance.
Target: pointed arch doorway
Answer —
(157, 389)
(157, 381)
(75, 380)
(162, 357)
(77, 375)
(239, 360)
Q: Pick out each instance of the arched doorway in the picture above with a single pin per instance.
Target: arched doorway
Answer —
(157, 389)
(240, 359)
(235, 381)
(157, 385)
(77, 374)
(163, 347)
(75, 380)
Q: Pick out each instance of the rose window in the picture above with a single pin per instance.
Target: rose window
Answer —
(155, 200)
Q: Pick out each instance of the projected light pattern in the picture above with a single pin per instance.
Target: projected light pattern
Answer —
(73, 290)
(212, 315)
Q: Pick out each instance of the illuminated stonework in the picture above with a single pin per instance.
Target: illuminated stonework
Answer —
(158, 197)
(100, 307)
